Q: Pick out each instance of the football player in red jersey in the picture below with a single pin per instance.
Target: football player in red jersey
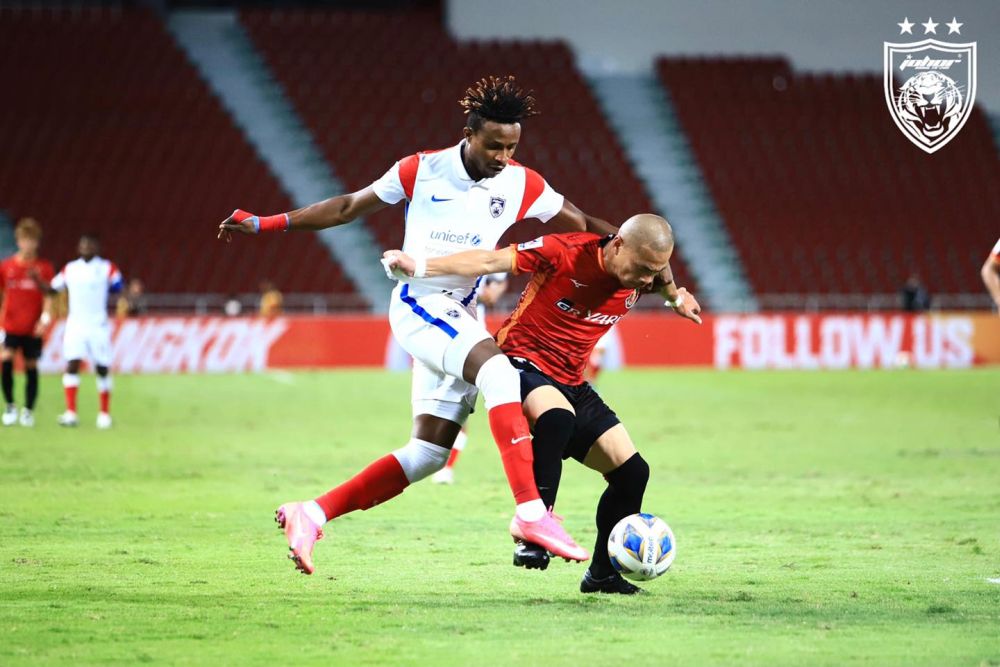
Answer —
(25, 314)
(582, 284)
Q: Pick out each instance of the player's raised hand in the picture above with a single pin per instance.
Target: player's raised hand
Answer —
(240, 221)
(689, 307)
(398, 264)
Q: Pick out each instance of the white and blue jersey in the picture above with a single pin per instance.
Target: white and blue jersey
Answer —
(447, 212)
(89, 282)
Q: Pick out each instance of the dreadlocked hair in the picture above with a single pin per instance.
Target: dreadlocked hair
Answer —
(499, 99)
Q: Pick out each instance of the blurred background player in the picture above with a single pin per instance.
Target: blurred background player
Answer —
(596, 361)
(914, 295)
(89, 279)
(132, 301)
(25, 315)
(270, 300)
(991, 274)
(488, 294)
(582, 285)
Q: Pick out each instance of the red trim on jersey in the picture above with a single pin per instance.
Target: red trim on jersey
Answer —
(408, 173)
(111, 269)
(533, 186)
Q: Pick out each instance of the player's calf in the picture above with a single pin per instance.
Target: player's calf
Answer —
(10, 411)
(626, 487)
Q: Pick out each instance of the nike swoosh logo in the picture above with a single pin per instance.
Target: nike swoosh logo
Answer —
(523, 437)
(436, 198)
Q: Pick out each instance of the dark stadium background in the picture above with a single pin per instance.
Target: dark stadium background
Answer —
(108, 125)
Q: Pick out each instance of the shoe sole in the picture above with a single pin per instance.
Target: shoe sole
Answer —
(531, 563)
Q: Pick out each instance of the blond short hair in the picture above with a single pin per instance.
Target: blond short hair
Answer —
(29, 228)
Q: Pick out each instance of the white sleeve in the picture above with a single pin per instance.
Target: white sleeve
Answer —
(59, 282)
(389, 188)
(547, 206)
(996, 249)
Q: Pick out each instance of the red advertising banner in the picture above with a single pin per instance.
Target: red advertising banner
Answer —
(780, 341)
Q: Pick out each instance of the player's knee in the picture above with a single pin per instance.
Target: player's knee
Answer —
(631, 476)
(102, 371)
(554, 427)
(419, 459)
(499, 382)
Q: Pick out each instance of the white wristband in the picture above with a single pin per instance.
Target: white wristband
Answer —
(45, 319)
(420, 270)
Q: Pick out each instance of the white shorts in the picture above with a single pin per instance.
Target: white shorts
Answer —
(88, 341)
(438, 332)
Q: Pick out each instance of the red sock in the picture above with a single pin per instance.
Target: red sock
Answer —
(382, 480)
(510, 431)
(70, 398)
(105, 400)
(452, 457)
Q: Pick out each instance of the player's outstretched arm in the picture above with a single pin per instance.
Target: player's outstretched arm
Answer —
(991, 278)
(678, 298)
(330, 212)
(685, 305)
(572, 219)
(469, 263)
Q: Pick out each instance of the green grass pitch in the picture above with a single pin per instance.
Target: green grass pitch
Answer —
(822, 518)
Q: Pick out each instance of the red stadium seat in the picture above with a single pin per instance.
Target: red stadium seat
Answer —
(819, 189)
(106, 127)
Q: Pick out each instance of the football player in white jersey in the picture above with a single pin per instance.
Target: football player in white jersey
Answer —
(457, 198)
(488, 292)
(991, 274)
(89, 279)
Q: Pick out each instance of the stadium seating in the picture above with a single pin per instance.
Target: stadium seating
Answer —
(820, 191)
(376, 86)
(105, 126)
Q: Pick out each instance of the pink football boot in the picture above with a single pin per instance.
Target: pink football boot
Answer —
(301, 533)
(549, 533)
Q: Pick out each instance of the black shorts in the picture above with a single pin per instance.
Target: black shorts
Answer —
(30, 346)
(593, 416)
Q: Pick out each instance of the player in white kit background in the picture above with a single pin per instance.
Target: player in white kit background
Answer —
(89, 279)
(458, 198)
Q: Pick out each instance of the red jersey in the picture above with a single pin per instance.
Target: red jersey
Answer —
(569, 304)
(22, 300)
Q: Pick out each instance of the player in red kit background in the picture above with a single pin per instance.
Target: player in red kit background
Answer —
(25, 314)
(582, 285)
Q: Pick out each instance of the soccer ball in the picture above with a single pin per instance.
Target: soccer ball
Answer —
(642, 547)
